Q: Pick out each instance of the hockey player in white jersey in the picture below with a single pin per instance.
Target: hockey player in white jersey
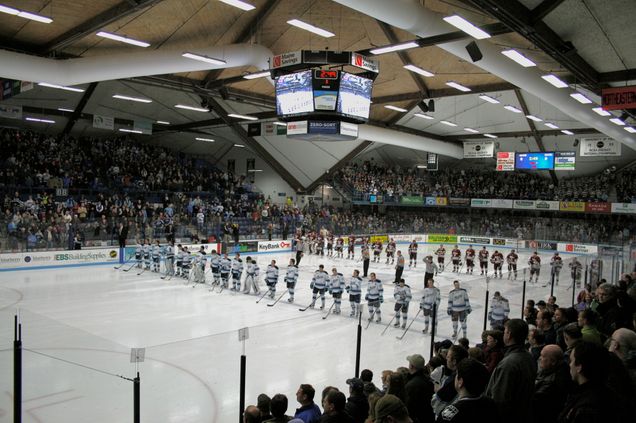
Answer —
(402, 295)
(155, 252)
(146, 250)
(556, 262)
(431, 296)
(374, 297)
(215, 267)
(319, 286)
(458, 308)
(226, 268)
(200, 259)
(186, 265)
(251, 276)
(291, 277)
(271, 278)
(355, 292)
(237, 272)
(499, 310)
(179, 260)
(139, 252)
(168, 254)
(535, 266)
(336, 287)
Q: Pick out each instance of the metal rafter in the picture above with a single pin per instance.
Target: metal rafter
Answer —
(212, 122)
(79, 108)
(444, 92)
(339, 165)
(115, 13)
(520, 134)
(544, 9)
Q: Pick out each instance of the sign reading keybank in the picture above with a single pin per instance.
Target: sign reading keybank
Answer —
(264, 246)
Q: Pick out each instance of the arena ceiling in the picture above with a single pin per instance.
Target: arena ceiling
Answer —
(587, 43)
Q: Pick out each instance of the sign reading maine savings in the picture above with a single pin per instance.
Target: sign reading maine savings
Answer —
(58, 258)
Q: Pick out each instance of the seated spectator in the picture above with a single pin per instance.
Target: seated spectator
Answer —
(278, 406)
(551, 386)
(477, 354)
(390, 409)
(357, 406)
(308, 412)
(252, 415)
(587, 323)
(470, 381)
(334, 405)
(464, 342)
(418, 388)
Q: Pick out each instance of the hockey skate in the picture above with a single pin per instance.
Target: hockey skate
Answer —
(290, 299)
(425, 330)
(353, 313)
(397, 324)
(404, 325)
(378, 320)
(454, 335)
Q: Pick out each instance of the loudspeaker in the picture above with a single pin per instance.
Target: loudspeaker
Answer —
(474, 52)
(576, 142)
(431, 106)
(422, 105)
(224, 93)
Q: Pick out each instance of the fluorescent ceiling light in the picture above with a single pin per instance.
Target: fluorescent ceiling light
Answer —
(470, 29)
(423, 116)
(422, 167)
(513, 109)
(396, 108)
(132, 131)
(534, 118)
(617, 121)
(240, 4)
(205, 59)
(196, 109)
(600, 111)
(204, 139)
(280, 123)
(551, 125)
(489, 99)
(418, 70)
(256, 75)
(260, 170)
(163, 122)
(552, 79)
(490, 135)
(137, 99)
(24, 14)
(471, 130)
(234, 115)
(394, 47)
(32, 119)
(458, 86)
(630, 129)
(62, 109)
(122, 39)
(581, 98)
(239, 145)
(308, 27)
(566, 132)
(519, 58)
(445, 122)
(61, 87)
(9, 10)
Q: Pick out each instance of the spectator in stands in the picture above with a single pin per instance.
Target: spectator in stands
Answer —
(623, 345)
(263, 404)
(308, 412)
(334, 405)
(446, 393)
(536, 341)
(560, 320)
(278, 406)
(494, 349)
(608, 309)
(544, 323)
(511, 385)
(397, 386)
(252, 415)
(357, 406)
(551, 386)
(390, 409)
(367, 377)
(587, 322)
(418, 387)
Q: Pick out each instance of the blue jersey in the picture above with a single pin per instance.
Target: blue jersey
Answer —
(430, 296)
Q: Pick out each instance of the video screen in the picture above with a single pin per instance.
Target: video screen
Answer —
(565, 160)
(355, 95)
(535, 161)
(294, 94)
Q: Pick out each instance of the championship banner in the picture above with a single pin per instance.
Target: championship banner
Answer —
(480, 202)
(572, 206)
(103, 122)
(624, 208)
(478, 149)
(382, 238)
(442, 239)
(412, 200)
(10, 112)
(599, 147)
(505, 161)
(524, 204)
(598, 207)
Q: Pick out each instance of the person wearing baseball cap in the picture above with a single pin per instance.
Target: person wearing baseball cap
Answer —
(418, 386)
(390, 409)
(357, 404)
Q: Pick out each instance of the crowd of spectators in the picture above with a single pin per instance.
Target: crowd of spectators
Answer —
(626, 186)
(557, 365)
(370, 178)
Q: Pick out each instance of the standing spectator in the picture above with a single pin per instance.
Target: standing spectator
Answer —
(587, 323)
(263, 403)
(369, 387)
(278, 406)
(511, 385)
(418, 386)
(544, 322)
(252, 415)
(308, 412)
(612, 316)
(122, 234)
(334, 404)
(552, 384)
(446, 394)
(494, 349)
(623, 345)
(357, 406)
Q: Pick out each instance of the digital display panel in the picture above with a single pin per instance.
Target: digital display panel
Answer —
(294, 93)
(564, 160)
(355, 95)
(325, 85)
(535, 161)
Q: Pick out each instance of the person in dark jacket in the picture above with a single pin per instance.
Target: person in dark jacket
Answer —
(334, 404)
(552, 384)
(419, 388)
(446, 394)
(308, 412)
(357, 404)
(263, 404)
(278, 406)
(512, 383)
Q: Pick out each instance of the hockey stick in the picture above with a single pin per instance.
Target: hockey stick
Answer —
(262, 296)
(387, 326)
(409, 326)
(142, 271)
(129, 267)
(305, 308)
(277, 299)
(122, 265)
(371, 319)
(328, 311)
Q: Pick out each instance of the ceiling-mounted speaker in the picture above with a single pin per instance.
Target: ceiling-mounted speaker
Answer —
(431, 106)
(225, 94)
(423, 106)
(576, 142)
(474, 52)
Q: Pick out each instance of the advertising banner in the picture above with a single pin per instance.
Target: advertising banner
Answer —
(500, 204)
(565, 160)
(599, 146)
(286, 59)
(598, 207)
(480, 202)
(546, 205)
(464, 202)
(58, 258)
(382, 238)
(407, 237)
(414, 200)
(540, 245)
(577, 248)
(266, 246)
(478, 149)
(242, 247)
(627, 208)
(572, 206)
(474, 240)
(430, 201)
(505, 161)
(498, 241)
(524, 204)
(441, 201)
(442, 238)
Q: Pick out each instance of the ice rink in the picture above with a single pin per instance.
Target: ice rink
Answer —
(79, 325)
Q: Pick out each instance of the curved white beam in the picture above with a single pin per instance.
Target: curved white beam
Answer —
(83, 70)
(414, 142)
(411, 16)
